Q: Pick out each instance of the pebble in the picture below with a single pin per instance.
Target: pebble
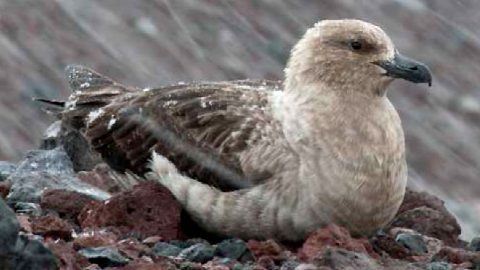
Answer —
(234, 249)
(104, 256)
(6, 169)
(438, 266)
(413, 242)
(165, 249)
(474, 245)
(200, 253)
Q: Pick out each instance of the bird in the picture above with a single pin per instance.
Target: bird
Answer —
(259, 159)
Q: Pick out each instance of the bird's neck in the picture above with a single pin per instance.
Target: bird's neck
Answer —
(314, 116)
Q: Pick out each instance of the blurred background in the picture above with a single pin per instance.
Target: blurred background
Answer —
(149, 43)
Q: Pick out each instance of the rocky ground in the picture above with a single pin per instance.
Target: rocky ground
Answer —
(65, 209)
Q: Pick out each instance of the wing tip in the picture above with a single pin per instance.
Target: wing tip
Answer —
(81, 78)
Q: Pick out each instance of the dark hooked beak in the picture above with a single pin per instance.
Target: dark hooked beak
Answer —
(406, 68)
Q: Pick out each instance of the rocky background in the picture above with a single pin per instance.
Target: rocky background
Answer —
(155, 42)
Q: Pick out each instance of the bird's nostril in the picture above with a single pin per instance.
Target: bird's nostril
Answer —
(413, 68)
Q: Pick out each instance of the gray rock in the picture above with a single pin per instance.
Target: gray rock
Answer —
(8, 230)
(42, 169)
(6, 169)
(235, 249)
(474, 245)
(289, 265)
(165, 249)
(438, 266)
(104, 256)
(188, 243)
(19, 252)
(413, 242)
(75, 145)
(200, 253)
(31, 209)
(53, 161)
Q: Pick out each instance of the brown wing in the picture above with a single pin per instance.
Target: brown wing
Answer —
(202, 128)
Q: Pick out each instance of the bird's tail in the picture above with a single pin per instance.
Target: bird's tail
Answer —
(90, 91)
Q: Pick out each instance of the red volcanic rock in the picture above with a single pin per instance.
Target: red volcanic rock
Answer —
(66, 203)
(51, 226)
(431, 222)
(66, 256)
(427, 215)
(268, 248)
(148, 209)
(5, 189)
(333, 236)
(94, 238)
(457, 256)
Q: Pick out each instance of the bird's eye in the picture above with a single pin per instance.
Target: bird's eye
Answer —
(356, 45)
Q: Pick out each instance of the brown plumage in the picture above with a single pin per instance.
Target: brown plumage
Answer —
(324, 146)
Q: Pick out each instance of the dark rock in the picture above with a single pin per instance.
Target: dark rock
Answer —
(68, 204)
(200, 253)
(5, 189)
(32, 255)
(438, 266)
(94, 238)
(43, 169)
(31, 209)
(74, 143)
(51, 226)
(333, 236)
(235, 249)
(457, 256)
(6, 169)
(265, 248)
(148, 209)
(165, 249)
(339, 258)
(188, 243)
(67, 257)
(429, 222)
(474, 245)
(290, 265)
(413, 242)
(104, 256)
(9, 229)
(383, 242)
(427, 215)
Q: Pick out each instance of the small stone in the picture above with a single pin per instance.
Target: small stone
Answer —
(31, 209)
(132, 248)
(32, 255)
(438, 266)
(51, 226)
(234, 249)
(5, 189)
(68, 204)
(66, 255)
(338, 258)
(413, 242)
(94, 238)
(6, 169)
(188, 243)
(333, 236)
(104, 256)
(152, 240)
(289, 265)
(201, 253)
(265, 248)
(474, 245)
(165, 249)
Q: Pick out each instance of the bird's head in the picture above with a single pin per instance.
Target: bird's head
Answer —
(351, 55)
